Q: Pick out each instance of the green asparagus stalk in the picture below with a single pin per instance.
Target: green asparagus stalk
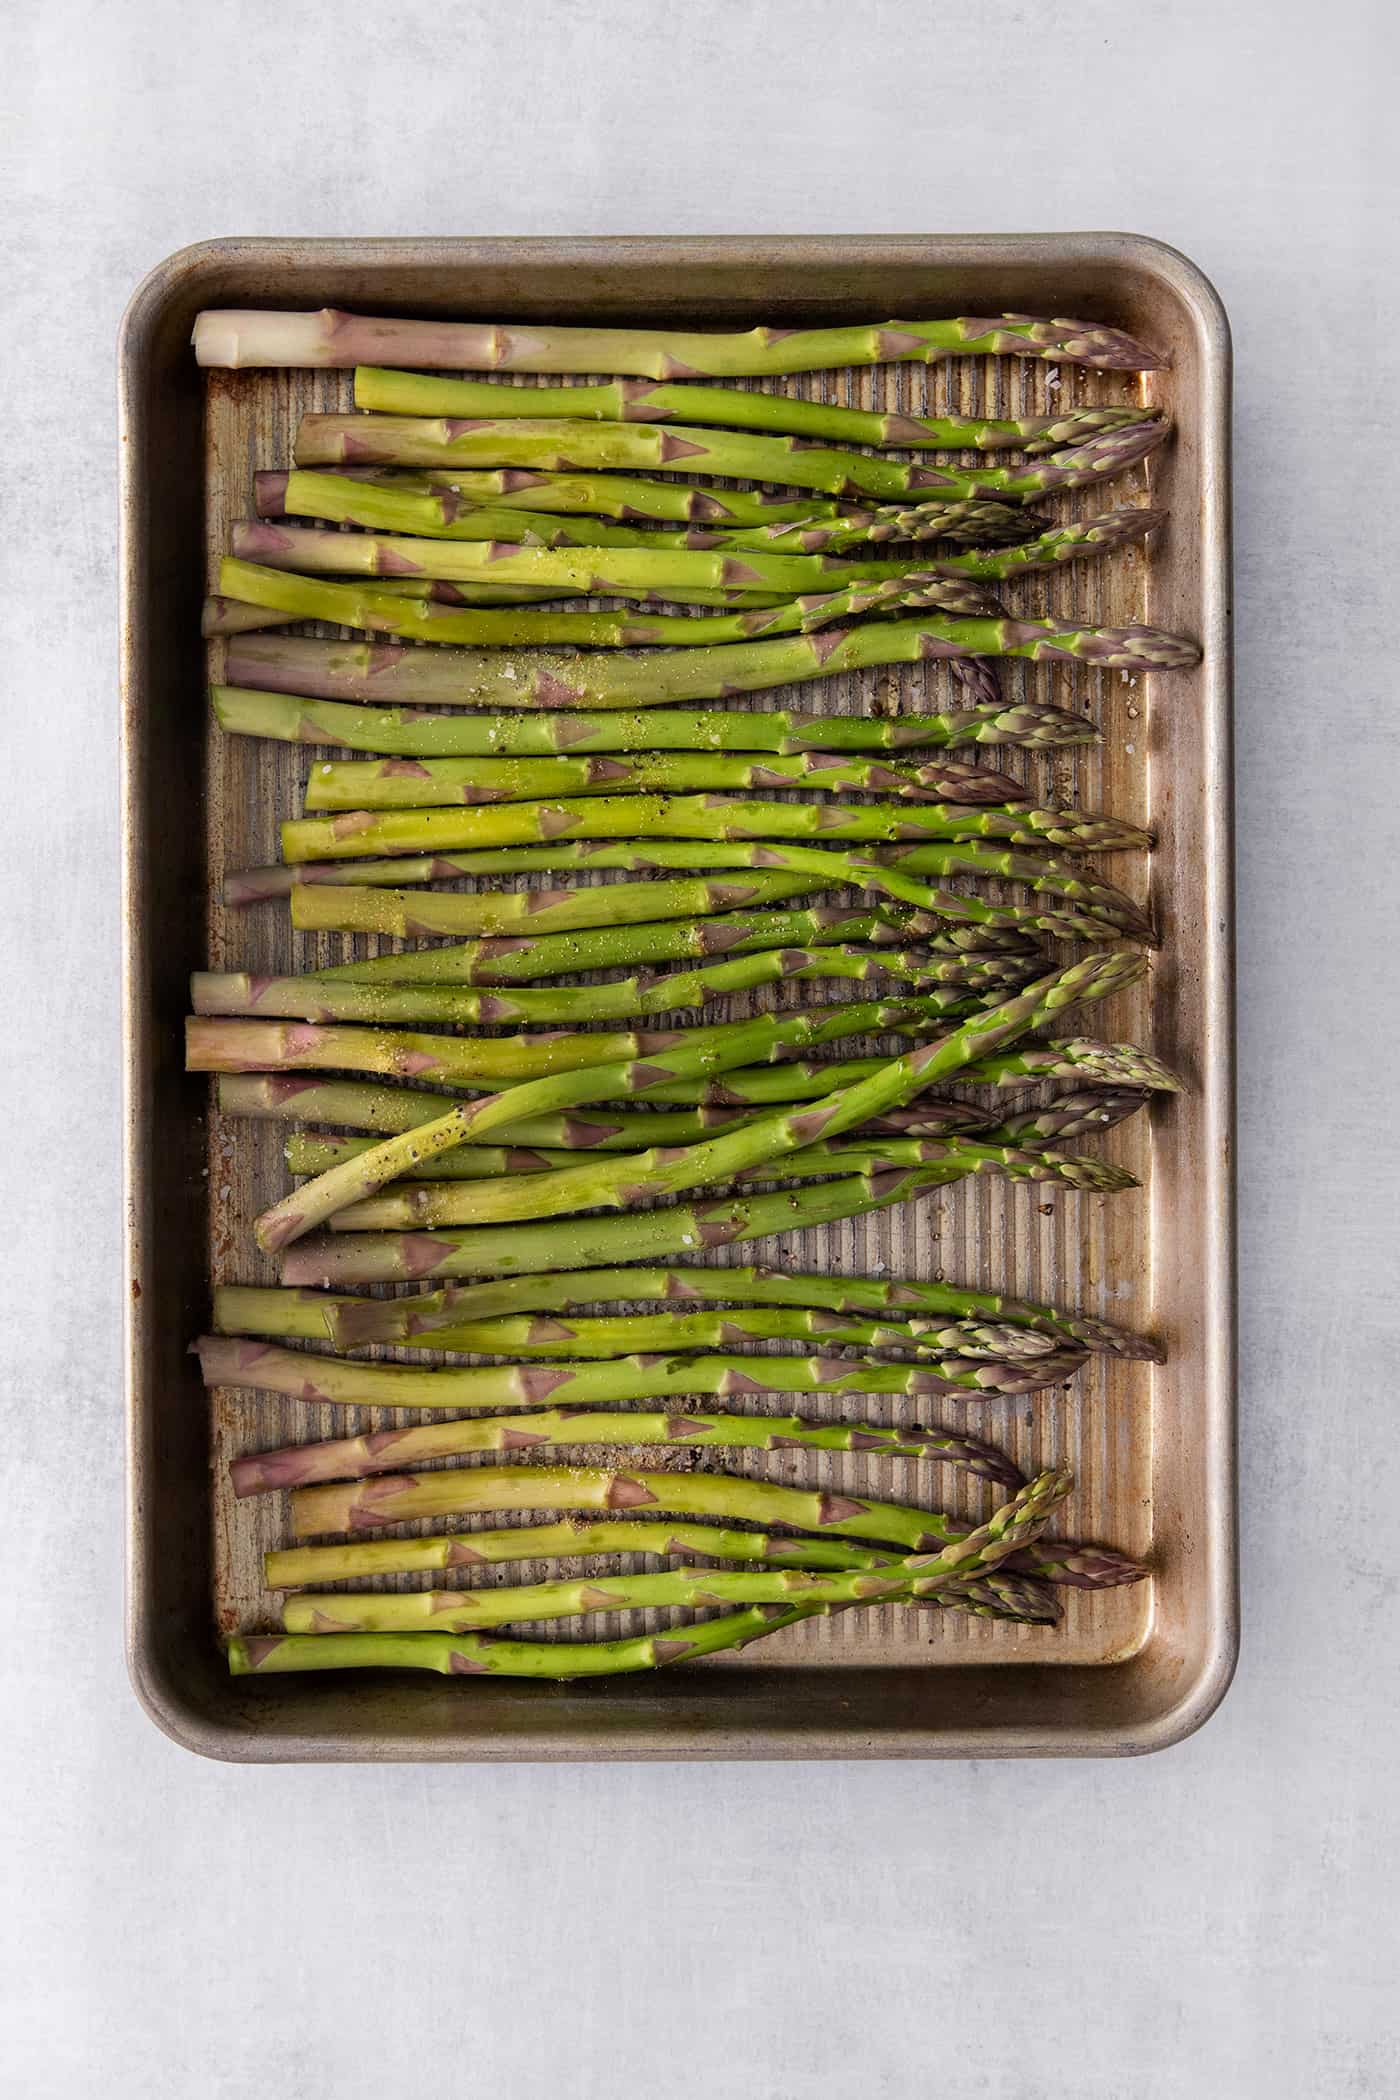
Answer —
(447, 505)
(662, 1056)
(399, 783)
(285, 1097)
(579, 1243)
(358, 1322)
(624, 497)
(1077, 1059)
(673, 1331)
(228, 616)
(982, 522)
(627, 1179)
(887, 1141)
(1060, 543)
(463, 1611)
(1087, 1113)
(406, 733)
(572, 1389)
(641, 401)
(403, 1497)
(301, 597)
(360, 834)
(486, 1655)
(232, 337)
(225, 616)
(594, 572)
(542, 1190)
(382, 672)
(542, 1141)
(572, 1005)
(341, 1458)
(534, 913)
(314, 1155)
(416, 507)
(558, 446)
(304, 1567)
(1040, 871)
(297, 1567)
(321, 907)
(517, 958)
(899, 868)
(352, 1323)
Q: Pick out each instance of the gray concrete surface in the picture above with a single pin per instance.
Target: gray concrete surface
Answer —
(1219, 1920)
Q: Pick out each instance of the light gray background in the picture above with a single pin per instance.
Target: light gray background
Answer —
(1218, 1920)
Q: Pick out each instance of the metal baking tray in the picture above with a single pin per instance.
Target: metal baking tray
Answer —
(1152, 1447)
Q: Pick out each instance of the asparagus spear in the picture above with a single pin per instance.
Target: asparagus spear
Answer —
(580, 1243)
(559, 446)
(543, 1141)
(383, 1451)
(295, 1567)
(898, 868)
(1039, 870)
(360, 834)
(570, 1005)
(1084, 1114)
(415, 506)
(1078, 1059)
(658, 1057)
(671, 1332)
(290, 1096)
(573, 1389)
(295, 597)
(640, 401)
(233, 337)
(357, 1322)
(448, 505)
(224, 616)
(516, 958)
(882, 1140)
(485, 678)
(320, 907)
(1060, 543)
(439, 1612)
(415, 783)
(403, 1497)
(405, 733)
(534, 913)
(303, 1567)
(988, 927)
(592, 572)
(628, 1178)
(228, 616)
(544, 1190)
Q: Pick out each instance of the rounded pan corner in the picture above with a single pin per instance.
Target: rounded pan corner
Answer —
(176, 1716)
(1188, 279)
(175, 276)
(1199, 1703)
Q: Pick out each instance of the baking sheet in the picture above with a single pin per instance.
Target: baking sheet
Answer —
(1150, 1446)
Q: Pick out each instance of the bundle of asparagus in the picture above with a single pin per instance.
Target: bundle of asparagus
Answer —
(471, 505)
